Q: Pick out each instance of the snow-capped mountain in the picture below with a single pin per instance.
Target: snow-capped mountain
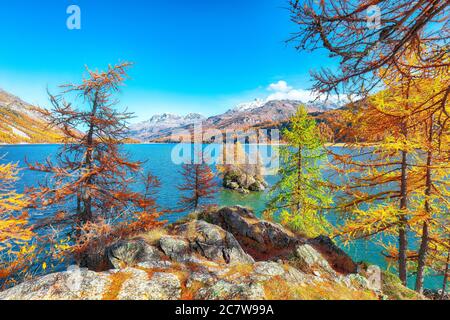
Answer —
(243, 116)
(246, 106)
(161, 124)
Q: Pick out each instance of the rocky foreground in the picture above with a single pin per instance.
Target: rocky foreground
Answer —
(224, 254)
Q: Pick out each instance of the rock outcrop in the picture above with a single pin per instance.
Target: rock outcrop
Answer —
(260, 238)
(226, 254)
(243, 170)
(243, 182)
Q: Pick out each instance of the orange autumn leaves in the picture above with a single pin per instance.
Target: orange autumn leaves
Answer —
(92, 179)
(89, 192)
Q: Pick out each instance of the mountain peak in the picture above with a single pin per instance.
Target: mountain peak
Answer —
(244, 115)
(164, 122)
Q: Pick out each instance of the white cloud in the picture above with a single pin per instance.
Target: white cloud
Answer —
(282, 91)
(293, 94)
(280, 86)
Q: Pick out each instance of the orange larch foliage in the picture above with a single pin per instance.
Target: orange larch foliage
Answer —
(90, 182)
(199, 184)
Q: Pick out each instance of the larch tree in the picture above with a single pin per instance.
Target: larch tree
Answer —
(401, 121)
(15, 231)
(369, 36)
(432, 192)
(13, 228)
(90, 181)
(372, 41)
(374, 187)
(301, 195)
(199, 184)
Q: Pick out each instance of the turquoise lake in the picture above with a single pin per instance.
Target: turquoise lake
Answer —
(158, 161)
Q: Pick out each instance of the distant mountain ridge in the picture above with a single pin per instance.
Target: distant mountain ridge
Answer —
(21, 122)
(161, 124)
(164, 128)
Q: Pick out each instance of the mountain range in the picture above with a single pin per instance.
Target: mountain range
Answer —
(21, 122)
(258, 113)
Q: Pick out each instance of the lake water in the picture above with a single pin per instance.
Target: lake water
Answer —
(158, 160)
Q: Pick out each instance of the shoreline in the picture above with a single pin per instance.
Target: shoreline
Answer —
(328, 144)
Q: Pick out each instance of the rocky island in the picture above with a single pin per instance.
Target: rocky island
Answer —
(225, 253)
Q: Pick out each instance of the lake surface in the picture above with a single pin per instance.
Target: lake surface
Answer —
(159, 162)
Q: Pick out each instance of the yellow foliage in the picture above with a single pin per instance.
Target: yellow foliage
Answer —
(279, 289)
(13, 228)
(27, 129)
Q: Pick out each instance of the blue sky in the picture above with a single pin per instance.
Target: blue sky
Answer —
(190, 56)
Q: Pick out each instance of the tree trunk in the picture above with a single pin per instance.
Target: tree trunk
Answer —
(423, 251)
(402, 236)
(444, 285)
(197, 186)
(422, 258)
(299, 178)
(87, 214)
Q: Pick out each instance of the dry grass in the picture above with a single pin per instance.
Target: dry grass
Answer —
(152, 237)
(279, 289)
(244, 269)
(332, 291)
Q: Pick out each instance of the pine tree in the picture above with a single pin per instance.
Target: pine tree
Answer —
(301, 194)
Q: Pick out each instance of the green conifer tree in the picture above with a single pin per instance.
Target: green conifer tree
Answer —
(300, 195)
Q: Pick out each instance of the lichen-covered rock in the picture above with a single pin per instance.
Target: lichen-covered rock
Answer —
(175, 247)
(224, 290)
(201, 260)
(129, 253)
(268, 268)
(75, 284)
(82, 284)
(125, 253)
(138, 286)
(309, 260)
(261, 239)
(242, 181)
(373, 276)
(212, 242)
(336, 257)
